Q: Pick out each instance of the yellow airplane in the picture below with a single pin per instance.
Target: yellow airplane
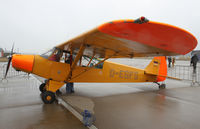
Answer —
(84, 58)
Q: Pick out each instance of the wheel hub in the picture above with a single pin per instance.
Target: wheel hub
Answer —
(49, 98)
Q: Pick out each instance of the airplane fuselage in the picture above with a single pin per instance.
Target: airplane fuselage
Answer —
(110, 72)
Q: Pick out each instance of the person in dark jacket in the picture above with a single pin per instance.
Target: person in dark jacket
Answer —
(69, 85)
(194, 61)
(169, 61)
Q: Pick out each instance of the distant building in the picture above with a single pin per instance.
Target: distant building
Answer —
(184, 57)
(1, 52)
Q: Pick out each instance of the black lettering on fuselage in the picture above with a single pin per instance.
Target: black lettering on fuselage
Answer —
(112, 73)
(123, 74)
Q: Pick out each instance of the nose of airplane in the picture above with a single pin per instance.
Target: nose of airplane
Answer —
(23, 62)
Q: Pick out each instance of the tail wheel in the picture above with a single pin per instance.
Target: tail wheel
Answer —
(42, 87)
(162, 86)
(48, 97)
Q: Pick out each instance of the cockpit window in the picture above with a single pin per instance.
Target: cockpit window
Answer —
(54, 54)
(64, 56)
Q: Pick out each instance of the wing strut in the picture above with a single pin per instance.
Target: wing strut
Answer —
(90, 60)
(93, 66)
(78, 56)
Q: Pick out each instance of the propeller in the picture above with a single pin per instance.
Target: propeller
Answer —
(9, 61)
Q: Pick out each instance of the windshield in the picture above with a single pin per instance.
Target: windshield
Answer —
(48, 53)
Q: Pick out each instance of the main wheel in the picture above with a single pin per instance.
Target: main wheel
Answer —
(42, 87)
(48, 97)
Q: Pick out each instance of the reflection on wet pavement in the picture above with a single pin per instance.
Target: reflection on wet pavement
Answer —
(161, 109)
(22, 108)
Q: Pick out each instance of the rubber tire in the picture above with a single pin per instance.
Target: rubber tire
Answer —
(42, 87)
(162, 86)
(48, 94)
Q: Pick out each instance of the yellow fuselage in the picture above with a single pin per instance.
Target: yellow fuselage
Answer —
(111, 72)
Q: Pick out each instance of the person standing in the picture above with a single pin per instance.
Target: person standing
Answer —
(169, 61)
(194, 61)
(69, 85)
(173, 61)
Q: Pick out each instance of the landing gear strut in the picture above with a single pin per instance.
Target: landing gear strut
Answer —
(48, 97)
(49, 90)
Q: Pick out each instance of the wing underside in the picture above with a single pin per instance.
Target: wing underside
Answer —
(121, 39)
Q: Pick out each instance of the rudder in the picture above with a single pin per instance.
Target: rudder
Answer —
(158, 66)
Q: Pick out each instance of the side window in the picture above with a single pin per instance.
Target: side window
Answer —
(68, 58)
(59, 55)
(87, 61)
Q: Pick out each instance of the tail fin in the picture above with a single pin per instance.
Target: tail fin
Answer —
(158, 66)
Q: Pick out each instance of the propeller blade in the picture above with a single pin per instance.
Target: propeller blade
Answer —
(9, 61)
(8, 66)
(11, 53)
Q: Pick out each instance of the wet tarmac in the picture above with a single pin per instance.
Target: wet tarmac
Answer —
(21, 107)
(167, 109)
(140, 106)
(115, 105)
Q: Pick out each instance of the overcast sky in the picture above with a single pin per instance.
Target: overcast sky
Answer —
(38, 25)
